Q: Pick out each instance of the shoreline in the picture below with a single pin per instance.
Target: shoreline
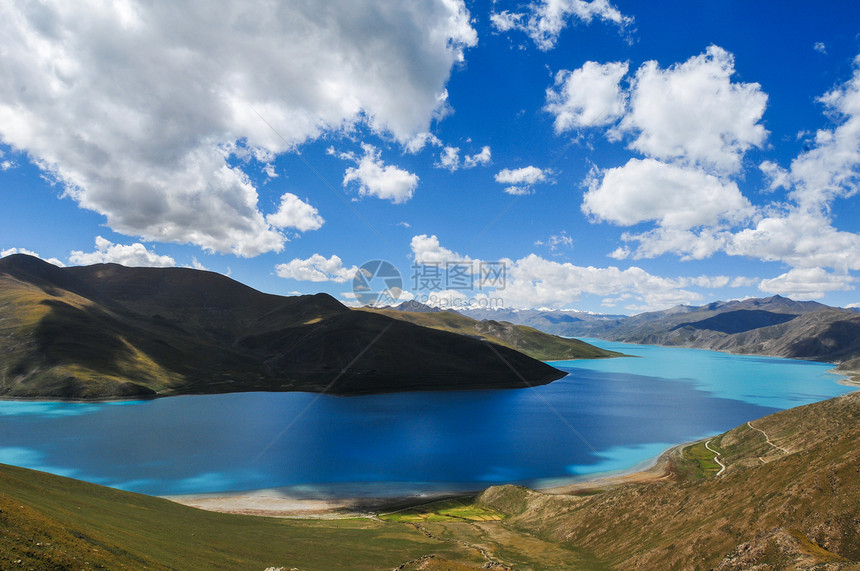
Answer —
(285, 503)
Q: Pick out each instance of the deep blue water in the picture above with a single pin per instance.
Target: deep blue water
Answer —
(605, 415)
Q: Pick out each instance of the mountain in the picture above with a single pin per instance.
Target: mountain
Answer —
(776, 326)
(416, 307)
(528, 340)
(110, 331)
(563, 322)
(788, 499)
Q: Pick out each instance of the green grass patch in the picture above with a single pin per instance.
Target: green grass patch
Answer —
(698, 462)
(444, 510)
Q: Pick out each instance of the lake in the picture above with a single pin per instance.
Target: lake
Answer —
(606, 415)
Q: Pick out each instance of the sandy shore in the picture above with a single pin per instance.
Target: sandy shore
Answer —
(277, 502)
(660, 470)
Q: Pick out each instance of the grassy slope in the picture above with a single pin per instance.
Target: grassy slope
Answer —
(769, 507)
(49, 522)
(534, 343)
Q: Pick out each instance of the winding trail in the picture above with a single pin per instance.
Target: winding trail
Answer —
(766, 437)
(716, 457)
(460, 542)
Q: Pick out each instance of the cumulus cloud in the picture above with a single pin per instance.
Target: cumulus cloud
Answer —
(317, 268)
(534, 281)
(688, 244)
(295, 213)
(10, 251)
(375, 178)
(482, 158)
(588, 96)
(799, 238)
(801, 233)
(428, 250)
(673, 196)
(506, 20)
(546, 19)
(417, 143)
(6, 164)
(450, 159)
(132, 255)
(136, 108)
(521, 180)
(820, 47)
(695, 125)
(807, 283)
(831, 168)
(694, 112)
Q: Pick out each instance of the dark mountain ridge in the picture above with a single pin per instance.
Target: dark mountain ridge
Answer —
(106, 331)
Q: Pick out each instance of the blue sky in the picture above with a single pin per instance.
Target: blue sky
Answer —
(613, 156)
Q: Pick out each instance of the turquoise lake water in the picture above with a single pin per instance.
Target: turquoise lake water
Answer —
(604, 416)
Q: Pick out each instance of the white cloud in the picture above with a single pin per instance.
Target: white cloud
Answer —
(693, 112)
(557, 241)
(801, 233)
(807, 283)
(820, 47)
(855, 305)
(269, 170)
(450, 158)
(506, 21)
(799, 238)
(132, 255)
(10, 251)
(776, 176)
(831, 169)
(417, 143)
(295, 213)
(588, 96)
(375, 178)
(482, 158)
(135, 107)
(698, 214)
(672, 196)
(547, 18)
(427, 250)
(688, 244)
(533, 281)
(317, 268)
(521, 180)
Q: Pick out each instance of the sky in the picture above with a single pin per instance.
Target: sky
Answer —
(613, 157)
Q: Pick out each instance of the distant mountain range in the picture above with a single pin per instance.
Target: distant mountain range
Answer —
(532, 342)
(110, 331)
(775, 326)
